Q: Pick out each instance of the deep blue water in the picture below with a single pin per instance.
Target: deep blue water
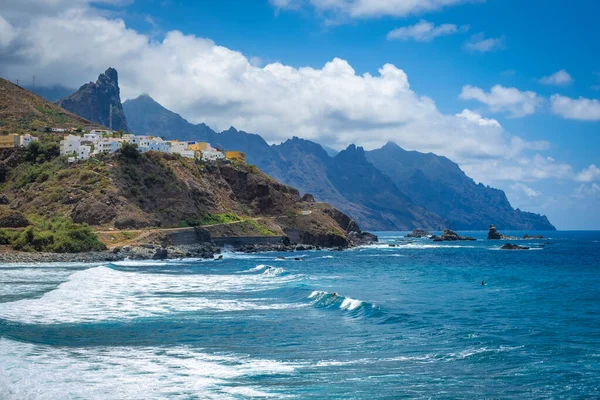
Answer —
(411, 321)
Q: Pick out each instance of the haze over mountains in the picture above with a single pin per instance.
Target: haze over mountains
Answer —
(385, 189)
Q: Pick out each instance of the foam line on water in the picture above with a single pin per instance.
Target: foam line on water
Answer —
(30, 371)
(102, 293)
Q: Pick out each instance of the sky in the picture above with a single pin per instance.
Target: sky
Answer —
(507, 89)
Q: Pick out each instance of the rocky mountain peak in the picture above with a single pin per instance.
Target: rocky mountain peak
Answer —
(94, 101)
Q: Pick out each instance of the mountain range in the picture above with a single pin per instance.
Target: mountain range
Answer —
(384, 189)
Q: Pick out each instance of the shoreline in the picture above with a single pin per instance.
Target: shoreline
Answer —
(149, 252)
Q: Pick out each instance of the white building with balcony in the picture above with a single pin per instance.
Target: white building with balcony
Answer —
(69, 145)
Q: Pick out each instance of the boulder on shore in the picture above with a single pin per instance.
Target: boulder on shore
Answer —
(509, 246)
(418, 233)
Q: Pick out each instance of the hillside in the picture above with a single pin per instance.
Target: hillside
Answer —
(93, 101)
(130, 190)
(22, 110)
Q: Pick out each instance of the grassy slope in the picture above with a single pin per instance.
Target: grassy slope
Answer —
(21, 110)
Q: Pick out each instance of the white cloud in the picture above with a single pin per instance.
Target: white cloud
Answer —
(581, 109)
(425, 31)
(370, 8)
(584, 191)
(559, 78)
(479, 44)
(7, 33)
(529, 192)
(475, 118)
(503, 99)
(590, 174)
(519, 169)
(331, 104)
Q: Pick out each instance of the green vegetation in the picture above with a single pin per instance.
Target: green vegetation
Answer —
(211, 219)
(39, 152)
(56, 235)
(127, 235)
(263, 230)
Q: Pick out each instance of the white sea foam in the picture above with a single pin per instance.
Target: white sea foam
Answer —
(29, 371)
(350, 304)
(101, 293)
(271, 271)
(255, 269)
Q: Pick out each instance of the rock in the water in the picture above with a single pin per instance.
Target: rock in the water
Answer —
(362, 238)
(419, 233)
(533, 237)
(493, 234)
(451, 236)
(509, 246)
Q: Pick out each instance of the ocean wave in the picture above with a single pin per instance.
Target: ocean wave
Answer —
(255, 269)
(329, 300)
(102, 294)
(30, 371)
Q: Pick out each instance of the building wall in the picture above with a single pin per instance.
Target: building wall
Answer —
(9, 141)
(236, 155)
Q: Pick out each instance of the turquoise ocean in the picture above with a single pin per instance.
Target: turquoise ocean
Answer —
(406, 318)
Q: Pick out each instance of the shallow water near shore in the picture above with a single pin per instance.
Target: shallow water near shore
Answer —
(409, 321)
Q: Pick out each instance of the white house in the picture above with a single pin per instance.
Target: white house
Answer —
(187, 153)
(100, 132)
(135, 140)
(58, 130)
(24, 140)
(92, 137)
(155, 144)
(69, 145)
(212, 154)
(84, 152)
(107, 146)
(179, 147)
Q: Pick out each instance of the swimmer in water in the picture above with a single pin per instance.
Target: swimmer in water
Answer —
(482, 283)
(333, 295)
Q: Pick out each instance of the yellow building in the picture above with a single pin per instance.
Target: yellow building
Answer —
(9, 141)
(199, 146)
(236, 155)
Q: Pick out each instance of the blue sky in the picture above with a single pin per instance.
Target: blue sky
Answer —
(543, 118)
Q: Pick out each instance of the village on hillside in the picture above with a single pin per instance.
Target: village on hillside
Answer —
(81, 145)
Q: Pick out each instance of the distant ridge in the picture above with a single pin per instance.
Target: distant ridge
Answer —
(385, 189)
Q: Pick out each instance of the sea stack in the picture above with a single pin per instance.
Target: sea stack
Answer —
(493, 234)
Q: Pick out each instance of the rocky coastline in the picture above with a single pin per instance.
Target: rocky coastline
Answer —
(207, 250)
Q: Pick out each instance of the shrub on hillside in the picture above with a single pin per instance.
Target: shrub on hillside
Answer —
(40, 152)
(57, 235)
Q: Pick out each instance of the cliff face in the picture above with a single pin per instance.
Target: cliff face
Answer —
(439, 185)
(93, 101)
(162, 191)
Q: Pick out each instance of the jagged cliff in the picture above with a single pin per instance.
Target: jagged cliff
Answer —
(93, 101)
